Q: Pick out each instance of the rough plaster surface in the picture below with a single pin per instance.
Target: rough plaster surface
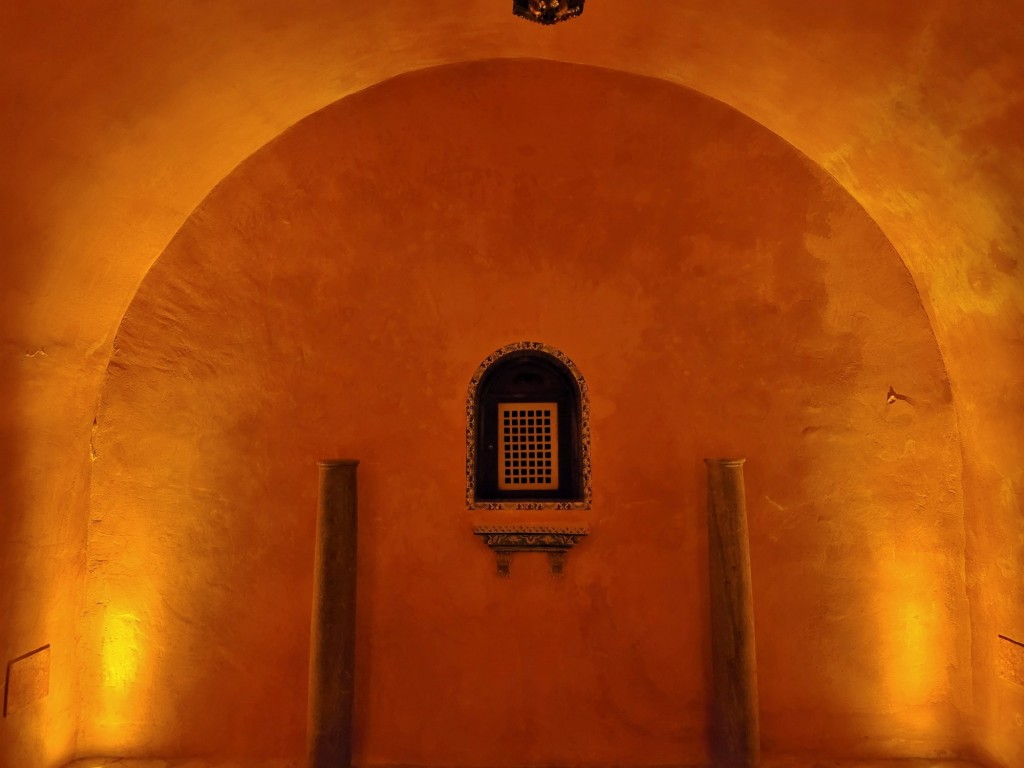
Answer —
(123, 117)
(332, 298)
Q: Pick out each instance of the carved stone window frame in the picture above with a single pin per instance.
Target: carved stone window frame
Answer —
(472, 419)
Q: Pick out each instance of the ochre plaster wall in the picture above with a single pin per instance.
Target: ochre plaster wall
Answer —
(121, 117)
(43, 523)
(332, 298)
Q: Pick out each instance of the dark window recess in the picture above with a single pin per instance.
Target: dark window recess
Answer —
(528, 431)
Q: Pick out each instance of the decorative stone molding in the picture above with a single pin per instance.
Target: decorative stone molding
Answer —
(555, 540)
(472, 423)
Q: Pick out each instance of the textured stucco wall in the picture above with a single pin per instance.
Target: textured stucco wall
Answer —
(333, 296)
(44, 474)
(121, 117)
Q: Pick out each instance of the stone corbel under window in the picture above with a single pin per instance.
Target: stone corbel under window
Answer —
(555, 540)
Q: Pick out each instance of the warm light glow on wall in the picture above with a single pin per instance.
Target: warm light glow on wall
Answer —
(122, 684)
(916, 677)
(120, 650)
(914, 642)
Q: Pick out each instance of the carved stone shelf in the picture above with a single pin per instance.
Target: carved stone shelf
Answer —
(555, 540)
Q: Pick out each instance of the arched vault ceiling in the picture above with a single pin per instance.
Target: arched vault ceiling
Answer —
(121, 116)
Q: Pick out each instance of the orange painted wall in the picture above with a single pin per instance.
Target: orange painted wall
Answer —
(332, 297)
(44, 479)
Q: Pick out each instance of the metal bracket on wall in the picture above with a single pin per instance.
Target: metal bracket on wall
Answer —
(555, 540)
(547, 11)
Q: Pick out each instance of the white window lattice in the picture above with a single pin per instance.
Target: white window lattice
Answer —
(528, 455)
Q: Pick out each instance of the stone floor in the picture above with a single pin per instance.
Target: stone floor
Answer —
(107, 762)
(120, 762)
(904, 763)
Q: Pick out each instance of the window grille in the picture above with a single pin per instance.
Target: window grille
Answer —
(528, 457)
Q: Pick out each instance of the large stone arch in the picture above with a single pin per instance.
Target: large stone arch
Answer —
(663, 240)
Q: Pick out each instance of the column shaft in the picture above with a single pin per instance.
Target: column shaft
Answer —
(735, 737)
(332, 637)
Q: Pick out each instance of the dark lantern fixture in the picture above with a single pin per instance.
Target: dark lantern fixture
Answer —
(547, 11)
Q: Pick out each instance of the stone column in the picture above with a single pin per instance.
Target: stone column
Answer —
(735, 736)
(332, 637)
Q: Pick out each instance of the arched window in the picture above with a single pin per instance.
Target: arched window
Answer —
(528, 441)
